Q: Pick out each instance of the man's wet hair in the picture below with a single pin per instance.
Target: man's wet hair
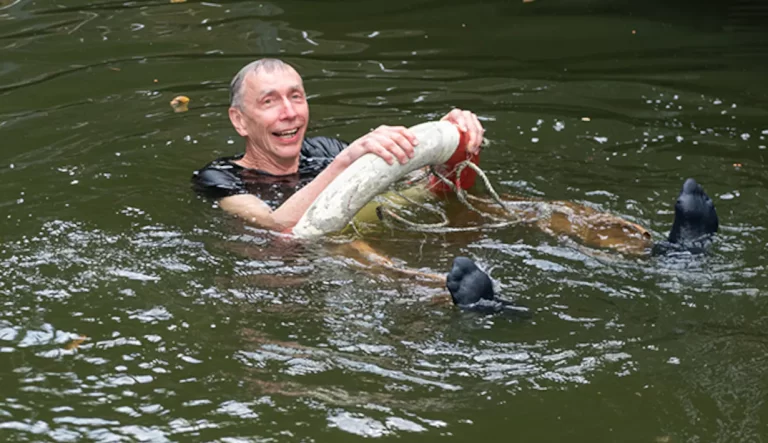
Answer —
(264, 64)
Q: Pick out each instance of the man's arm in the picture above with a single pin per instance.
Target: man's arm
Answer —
(390, 143)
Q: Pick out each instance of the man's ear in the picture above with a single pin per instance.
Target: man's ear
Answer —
(238, 121)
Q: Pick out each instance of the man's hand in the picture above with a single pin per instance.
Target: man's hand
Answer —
(388, 142)
(468, 123)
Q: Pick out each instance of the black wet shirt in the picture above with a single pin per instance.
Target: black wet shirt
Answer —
(223, 177)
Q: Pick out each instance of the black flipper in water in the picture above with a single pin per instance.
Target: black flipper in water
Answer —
(695, 224)
(472, 289)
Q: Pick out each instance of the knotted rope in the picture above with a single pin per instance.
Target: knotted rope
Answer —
(394, 221)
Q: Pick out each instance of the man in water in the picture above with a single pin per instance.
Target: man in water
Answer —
(281, 173)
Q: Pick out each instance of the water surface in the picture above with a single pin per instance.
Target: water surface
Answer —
(200, 329)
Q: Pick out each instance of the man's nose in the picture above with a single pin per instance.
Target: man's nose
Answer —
(289, 109)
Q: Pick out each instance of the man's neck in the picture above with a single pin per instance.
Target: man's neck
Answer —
(255, 158)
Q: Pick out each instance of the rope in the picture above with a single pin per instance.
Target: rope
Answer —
(392, 219)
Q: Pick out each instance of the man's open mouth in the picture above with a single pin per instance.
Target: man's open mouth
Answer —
(286, 134)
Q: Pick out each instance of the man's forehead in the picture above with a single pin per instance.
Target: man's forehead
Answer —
(263, 81)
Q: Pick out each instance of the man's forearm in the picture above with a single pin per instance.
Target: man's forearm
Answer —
(290, 212)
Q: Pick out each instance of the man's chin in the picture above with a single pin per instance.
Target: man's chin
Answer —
(288, 151)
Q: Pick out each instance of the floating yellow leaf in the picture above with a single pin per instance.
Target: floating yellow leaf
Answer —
(180, 104)
(178, 1)
(74, 344)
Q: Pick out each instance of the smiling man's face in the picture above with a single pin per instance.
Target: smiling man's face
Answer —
(274, 113)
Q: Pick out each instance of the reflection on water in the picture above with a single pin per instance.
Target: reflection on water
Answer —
(132, 310)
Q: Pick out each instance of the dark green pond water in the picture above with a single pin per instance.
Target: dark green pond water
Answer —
(198, 330)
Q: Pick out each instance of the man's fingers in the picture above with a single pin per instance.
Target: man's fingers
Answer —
(408, 135)
(385, 147)
(397, 140)
(474, 131)
(456, 116)
(477, 124)
(399, 133)
(405, 144)
(374, 147)
(391, 144)
(471, 139)
(480, 133)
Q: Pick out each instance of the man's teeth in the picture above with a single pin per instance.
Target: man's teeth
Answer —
(287, 133)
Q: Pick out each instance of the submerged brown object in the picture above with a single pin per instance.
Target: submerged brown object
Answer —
(558, 218)
(180, 103)
(597, 229)
(365, 253)
(583, 223)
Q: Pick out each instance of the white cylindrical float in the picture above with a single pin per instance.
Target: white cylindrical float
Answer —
(369, 176)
